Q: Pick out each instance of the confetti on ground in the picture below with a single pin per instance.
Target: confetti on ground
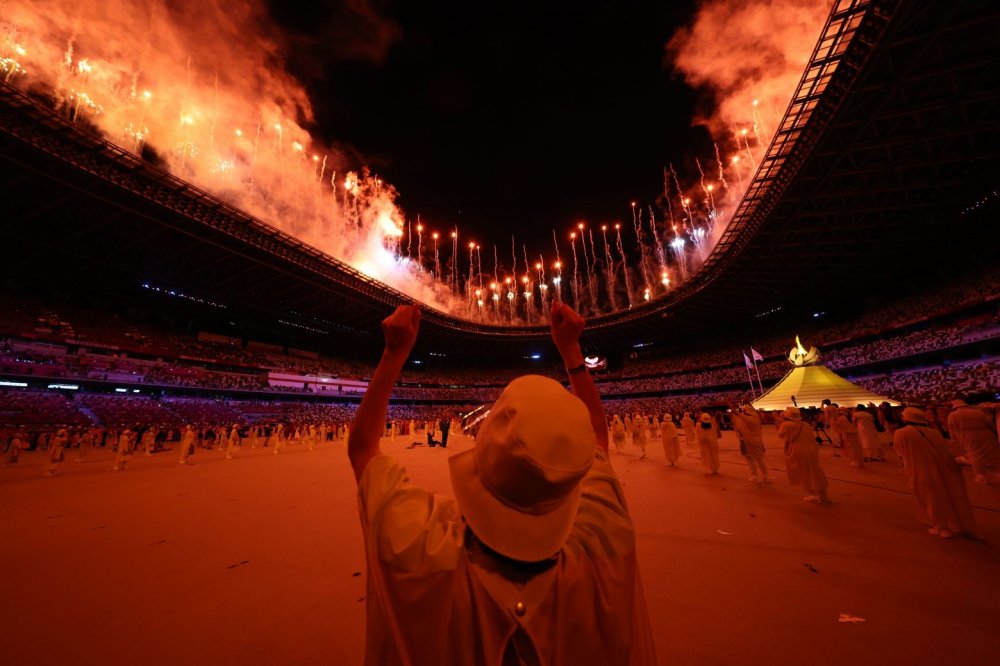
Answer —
(356, 574)
(753, 515)
(845, 618)
(99, 527)
(238, 564)
(726, 533)
(810, 567)
(156, 543)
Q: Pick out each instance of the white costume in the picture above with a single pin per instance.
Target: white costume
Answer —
(687, 424)
(187, 444)
(747, 426)
(56, 452)
(639, 434)
(934, 476)
(234, 442)
(802, 456)
(708, 442)
(973, 429)
(871, 442)
(618, 434)
(121, 456)
(14, 449)
(850, 439)
(148, 441)
(671, 442)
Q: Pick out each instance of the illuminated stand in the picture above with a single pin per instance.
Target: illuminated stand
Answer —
(811, 384)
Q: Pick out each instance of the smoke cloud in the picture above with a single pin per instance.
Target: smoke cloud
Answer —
(745, 50)
(202, 84)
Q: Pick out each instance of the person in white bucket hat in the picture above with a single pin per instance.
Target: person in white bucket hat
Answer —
(533, 561)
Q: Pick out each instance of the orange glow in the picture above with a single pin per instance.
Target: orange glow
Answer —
(538, 266)
(434, 235)
(420, 228)
(572, 236)
(454, 235)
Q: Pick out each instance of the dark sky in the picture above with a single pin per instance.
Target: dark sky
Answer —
(502, 118)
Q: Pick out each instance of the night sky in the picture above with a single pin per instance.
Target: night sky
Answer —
(501, 118)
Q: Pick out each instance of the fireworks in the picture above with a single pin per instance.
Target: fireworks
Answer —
(237, 131)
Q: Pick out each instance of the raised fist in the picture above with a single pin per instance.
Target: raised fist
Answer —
(400, 329)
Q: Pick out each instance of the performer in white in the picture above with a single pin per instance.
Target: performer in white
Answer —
(708, 442)
(57, 451)
(671, 441)
(746, 422)
(934, 476)
(687, 424)
(871, 443)
(124, 444)
(802, 456)
(618, 433)
(850, 438)
(279, 438)
(973, 429)
(312, 437)
(639, 434)
(86, 444)
(187, 443)
(18, 441)
(149, 441)
(234, 441)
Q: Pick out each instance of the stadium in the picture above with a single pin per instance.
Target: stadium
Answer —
(141, 307)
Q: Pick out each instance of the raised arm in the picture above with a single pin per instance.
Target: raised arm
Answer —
(566, 328)
(400, 331)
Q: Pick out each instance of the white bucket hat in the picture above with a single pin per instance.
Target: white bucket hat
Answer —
(792, 414)
(519, 486)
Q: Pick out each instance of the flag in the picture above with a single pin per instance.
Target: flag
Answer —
(746, 359)
(756, 354)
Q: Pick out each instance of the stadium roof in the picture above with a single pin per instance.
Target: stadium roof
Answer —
(893, 133)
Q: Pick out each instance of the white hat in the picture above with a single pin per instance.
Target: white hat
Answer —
(959, 403)
(519, 486)
(668, 417)
(914, 415)
(706, 418)
(792, 414)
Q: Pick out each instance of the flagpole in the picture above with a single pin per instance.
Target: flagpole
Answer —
(749, 378)
(757, 370)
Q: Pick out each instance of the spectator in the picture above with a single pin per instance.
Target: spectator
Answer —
(539, 542)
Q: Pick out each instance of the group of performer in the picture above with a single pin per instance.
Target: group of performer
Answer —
(153, 439)
(863, 435)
